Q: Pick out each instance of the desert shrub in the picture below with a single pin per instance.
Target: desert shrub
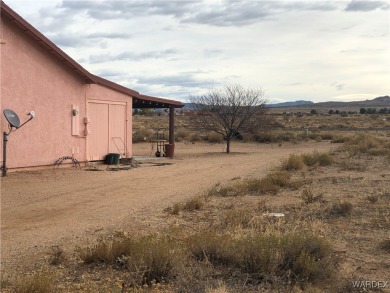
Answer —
(382, 219)
(341, 138)
(366, 144)
(294, 162)
(193, 204)
(39, 282)
(182, 134)
(223, 191)
(341, 208)
(214, 137)
(57, 256)
(276, 136)
(220, 288)
(238, 218)
(268, 184)
(265, 137)
(316, 158)
(292, 257)
(372, 198)
(327, 136)
(151, 258)
(286, 136)
(385, 245)
(352, 165)
(209, 246)
(324, 159)
(142, 134)
(175, 209)
(194, 137)
(295, 258)
(308, 196)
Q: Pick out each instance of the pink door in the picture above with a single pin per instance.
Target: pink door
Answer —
(107, 122)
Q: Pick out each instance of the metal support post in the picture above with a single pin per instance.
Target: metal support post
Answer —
(5, 139)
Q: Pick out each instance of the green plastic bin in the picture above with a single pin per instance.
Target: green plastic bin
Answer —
(112, 159)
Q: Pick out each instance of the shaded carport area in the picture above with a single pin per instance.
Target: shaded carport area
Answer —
(149, 102)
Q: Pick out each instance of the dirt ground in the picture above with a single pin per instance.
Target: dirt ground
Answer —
(70, 207)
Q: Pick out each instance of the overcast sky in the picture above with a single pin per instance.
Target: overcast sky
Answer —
(293, 50)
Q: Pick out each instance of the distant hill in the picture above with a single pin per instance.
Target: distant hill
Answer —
(379, 102)
(383, 101)
(291, 104)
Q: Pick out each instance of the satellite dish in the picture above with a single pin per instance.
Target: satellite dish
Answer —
(12, 118)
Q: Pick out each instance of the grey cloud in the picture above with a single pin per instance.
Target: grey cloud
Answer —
(130, 56)
(357, 5)
(225, 13)
(338, 86)
(112, 74)
(68, 40)
(124, 9)
(183, 79)
(79, 40)
(212, 53)
(109, 35)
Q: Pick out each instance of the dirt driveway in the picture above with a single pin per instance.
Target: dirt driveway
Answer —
(66, 207)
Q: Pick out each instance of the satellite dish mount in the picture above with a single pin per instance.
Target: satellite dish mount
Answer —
(13, 125)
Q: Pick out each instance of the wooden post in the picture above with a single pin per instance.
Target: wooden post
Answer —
(172, 128)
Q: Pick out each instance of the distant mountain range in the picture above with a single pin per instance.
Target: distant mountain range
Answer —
(290, 104)
(322, 107)
(379, 102)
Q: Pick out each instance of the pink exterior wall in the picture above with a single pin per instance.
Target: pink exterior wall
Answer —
(34, 79)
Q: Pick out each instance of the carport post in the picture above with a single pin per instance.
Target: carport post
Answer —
(172, 126)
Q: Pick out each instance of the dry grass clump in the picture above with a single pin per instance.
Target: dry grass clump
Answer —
(293, 163)
(382, 219)
(57, 256)
(372, 198)
(240, 218)
(192, 204)
(149, 258)
(270, 184)
(308, 197)
(316, 158)
(287, 258)
(341, 209)
(385, 245)
(367, 144)
(233, 190)
(258, 258)
(39, 282)
(298, 162)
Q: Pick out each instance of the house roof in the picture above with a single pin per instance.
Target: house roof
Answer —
(139, 100)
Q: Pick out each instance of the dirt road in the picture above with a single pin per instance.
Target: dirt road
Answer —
(66, 207)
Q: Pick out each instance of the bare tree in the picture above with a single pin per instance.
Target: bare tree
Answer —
(230, 111)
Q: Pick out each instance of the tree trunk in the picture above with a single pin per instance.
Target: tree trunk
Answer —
(227, 145)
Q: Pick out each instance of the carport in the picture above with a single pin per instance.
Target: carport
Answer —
(145, 102)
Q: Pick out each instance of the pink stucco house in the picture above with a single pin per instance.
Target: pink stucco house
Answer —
(77, 113)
